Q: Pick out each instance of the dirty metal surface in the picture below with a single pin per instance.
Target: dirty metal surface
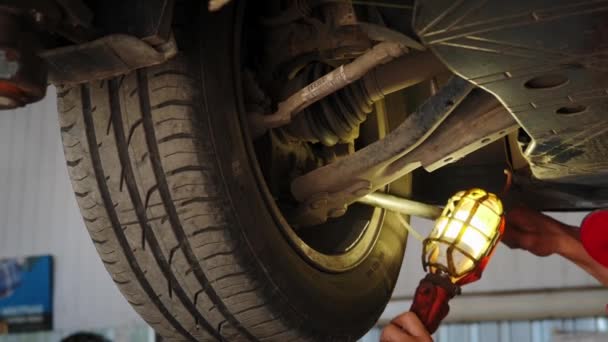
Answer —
(423, 140)
(546, 62)
(22, 73)
(328, 190)
(111, 55)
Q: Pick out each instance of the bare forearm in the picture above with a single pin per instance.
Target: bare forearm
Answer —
(584, 261)
(542, 235)
(572, 249)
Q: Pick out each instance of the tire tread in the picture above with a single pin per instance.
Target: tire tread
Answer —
(156, 215)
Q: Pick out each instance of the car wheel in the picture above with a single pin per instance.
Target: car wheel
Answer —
(173, 194)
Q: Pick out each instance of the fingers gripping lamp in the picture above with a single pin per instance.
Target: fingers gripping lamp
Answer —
(457, 251)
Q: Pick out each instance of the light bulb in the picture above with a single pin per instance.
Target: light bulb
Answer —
(466, 232)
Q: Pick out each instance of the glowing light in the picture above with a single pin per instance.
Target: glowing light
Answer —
(453, 229)
(466, 232)
(474, 242)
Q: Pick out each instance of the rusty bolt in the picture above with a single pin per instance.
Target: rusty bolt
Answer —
(37, 16)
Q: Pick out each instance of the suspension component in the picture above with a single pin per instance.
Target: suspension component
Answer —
(22, 72)
(336, 118)
(478, 119)
(324, 86)
(401, 205)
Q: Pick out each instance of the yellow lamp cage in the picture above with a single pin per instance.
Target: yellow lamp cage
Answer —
(466, 232)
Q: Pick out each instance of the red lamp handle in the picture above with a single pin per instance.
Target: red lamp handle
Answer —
(431, 300)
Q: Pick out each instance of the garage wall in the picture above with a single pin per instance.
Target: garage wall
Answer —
(38, 215)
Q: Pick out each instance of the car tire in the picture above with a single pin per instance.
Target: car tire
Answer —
(167, 187)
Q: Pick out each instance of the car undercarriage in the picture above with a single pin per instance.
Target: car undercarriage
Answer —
(312, 110)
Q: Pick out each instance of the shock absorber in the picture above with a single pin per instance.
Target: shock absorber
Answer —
(336, 118)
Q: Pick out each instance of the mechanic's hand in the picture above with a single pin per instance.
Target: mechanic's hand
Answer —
(535, 232)
(405, 328)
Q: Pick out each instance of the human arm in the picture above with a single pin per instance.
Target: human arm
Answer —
(405, 328)
(543, 236)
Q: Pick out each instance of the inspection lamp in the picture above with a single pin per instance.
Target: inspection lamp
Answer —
(457, 251)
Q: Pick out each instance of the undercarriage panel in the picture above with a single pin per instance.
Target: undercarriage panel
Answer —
(546, 61)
